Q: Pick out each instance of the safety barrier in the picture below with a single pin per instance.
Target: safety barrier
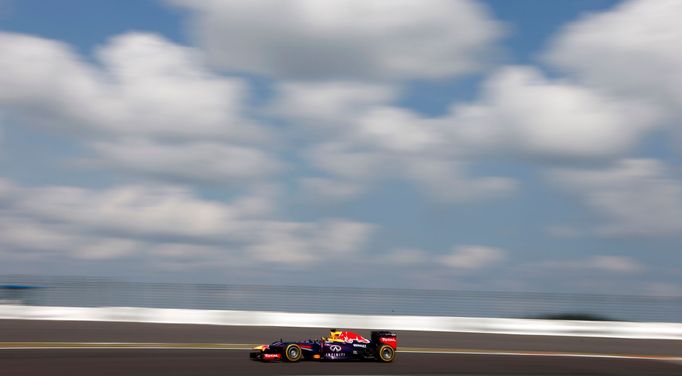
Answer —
(639, 330)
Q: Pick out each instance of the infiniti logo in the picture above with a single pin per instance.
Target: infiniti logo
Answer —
(335, 348)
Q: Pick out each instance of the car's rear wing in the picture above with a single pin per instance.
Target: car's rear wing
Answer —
(385, 337)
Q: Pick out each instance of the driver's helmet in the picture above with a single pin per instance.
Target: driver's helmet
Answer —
(335, 336)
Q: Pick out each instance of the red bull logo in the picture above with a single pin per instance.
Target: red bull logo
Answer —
(350, 337)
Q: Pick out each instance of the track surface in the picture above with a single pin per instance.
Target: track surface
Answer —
(231, 362)
(102, 362)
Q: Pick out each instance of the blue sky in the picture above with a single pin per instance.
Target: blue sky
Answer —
(492, 145)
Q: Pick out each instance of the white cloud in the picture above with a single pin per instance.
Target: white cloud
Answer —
(131, 210)
(632, 50)
(600, 263)
(397, 130)
(7, 189)
(35, 238)
(342, 237)
(270, 246)
(441, 178)
(360, 140)
(323, 189)
(523, 113)
(30, 237)
(182, 257)
(451, 181)
(472, 257)
(384, 39)
(107, 248)
(616, 264)
(161, 111)
(205, 162)
(328, 105)
(409, 257)
(143, 85)
(633, 196)
(305, 244)
(341, 160)
(171, 222)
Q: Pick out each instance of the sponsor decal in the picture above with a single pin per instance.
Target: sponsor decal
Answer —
(391, 341)
(335, 355)
(271, 356)
(335, 348)
(360, 345)
(350, 337)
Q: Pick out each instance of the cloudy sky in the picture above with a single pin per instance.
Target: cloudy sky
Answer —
(454, 144)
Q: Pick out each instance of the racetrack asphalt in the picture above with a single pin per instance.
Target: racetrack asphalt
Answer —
(235, 362)
(469, 353)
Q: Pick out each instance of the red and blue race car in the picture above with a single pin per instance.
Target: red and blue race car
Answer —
(340, 345)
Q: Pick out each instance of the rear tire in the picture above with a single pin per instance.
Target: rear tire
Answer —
(385, 354)
(293, 353)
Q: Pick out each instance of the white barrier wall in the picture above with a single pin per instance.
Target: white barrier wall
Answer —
(672, 331)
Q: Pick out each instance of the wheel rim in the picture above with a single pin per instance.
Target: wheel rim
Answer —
(387, 353)
(293, 353)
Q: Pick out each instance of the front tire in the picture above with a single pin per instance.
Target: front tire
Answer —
(386, 354)
(293, 353)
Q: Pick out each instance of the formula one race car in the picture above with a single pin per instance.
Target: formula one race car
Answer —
(339, 345)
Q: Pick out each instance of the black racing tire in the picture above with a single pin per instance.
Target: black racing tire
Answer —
(385, 354)
(293, 353)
